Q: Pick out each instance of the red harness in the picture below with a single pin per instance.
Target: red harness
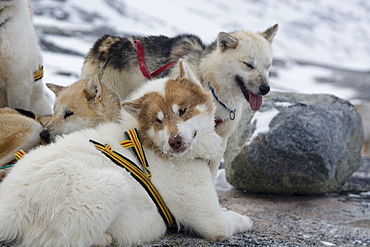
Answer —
(142, 63)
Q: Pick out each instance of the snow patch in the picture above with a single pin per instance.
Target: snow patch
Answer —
(262, 122)
(221, 184)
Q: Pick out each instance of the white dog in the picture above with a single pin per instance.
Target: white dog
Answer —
(70, 194)
(20, 60)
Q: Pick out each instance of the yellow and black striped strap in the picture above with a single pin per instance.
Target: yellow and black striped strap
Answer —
(142, 177)
(39, 73)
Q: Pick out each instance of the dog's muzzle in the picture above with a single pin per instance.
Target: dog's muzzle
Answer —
(255, 101)
(264, 89)
(45, 136)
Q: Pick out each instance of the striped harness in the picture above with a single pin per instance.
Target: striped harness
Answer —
(39, 73)
(18, 155)
(141, 176)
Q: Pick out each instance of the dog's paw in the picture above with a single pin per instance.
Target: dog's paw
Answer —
(105, 240)
(247, 223)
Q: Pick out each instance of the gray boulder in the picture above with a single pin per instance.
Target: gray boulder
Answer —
(296, 143)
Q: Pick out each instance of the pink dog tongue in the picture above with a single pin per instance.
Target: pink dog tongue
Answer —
(255, 101)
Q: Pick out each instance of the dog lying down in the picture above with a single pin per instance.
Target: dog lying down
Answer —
(69, 193)
(19, 130)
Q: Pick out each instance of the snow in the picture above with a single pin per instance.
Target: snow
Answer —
(301, 79)
(221, 184)
(262, 120)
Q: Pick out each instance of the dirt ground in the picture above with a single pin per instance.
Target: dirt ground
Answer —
(335, 219)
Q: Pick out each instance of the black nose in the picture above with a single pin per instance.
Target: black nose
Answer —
(45, 136)
(175, 142)
(264, 89)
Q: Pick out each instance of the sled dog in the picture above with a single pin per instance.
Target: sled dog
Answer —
(17, 132)
(21, 68)
(84, 104)
(234, 67)
(69, 193)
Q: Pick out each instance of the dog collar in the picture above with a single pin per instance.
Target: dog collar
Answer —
(142, 176)
(18, 155)
(142, 63)
(231, 112)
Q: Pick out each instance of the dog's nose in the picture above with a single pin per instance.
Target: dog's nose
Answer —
(175, 142)
(264, 89)
(45, 136)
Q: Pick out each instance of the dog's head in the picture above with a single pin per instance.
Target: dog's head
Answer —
(83, 104)
(245, 59)
(172, 114)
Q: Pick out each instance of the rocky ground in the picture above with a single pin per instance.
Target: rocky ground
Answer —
(336, 219)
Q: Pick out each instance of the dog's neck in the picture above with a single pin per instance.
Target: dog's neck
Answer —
(231, 111)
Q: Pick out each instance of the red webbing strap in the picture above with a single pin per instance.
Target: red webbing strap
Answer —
(142, 64)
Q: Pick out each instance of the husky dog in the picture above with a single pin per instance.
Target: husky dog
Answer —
(20, 58)
(69, 193)
(16, 132)
(84, 104)
(234, 67)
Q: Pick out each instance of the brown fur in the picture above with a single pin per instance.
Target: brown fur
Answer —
(151, 103)
(16, 132)
(83, 104)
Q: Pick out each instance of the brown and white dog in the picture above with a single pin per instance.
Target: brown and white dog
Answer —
(84, 104)
(19, 130)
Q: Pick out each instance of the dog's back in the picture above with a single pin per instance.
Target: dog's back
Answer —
(117, 57)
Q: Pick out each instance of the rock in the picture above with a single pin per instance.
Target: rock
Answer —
(296, 143)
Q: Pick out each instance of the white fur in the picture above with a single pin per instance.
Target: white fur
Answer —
(19, 58)
(70, 194)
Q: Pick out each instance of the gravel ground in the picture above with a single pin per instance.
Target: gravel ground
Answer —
(336, 219)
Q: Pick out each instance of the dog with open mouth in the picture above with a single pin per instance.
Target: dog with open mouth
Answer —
(234, 68)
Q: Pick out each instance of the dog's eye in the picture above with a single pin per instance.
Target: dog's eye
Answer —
(157, 120)
(68, 114)
(249, 65)
(182, 111)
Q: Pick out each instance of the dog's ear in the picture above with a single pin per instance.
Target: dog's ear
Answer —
(133, 107)
(186, 72)
(56, 89)
(270, 32)
(225, 41)
(93, 88)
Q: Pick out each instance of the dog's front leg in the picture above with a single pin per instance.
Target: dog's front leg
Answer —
(200, 209)
(18, 93)
(217, 225)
